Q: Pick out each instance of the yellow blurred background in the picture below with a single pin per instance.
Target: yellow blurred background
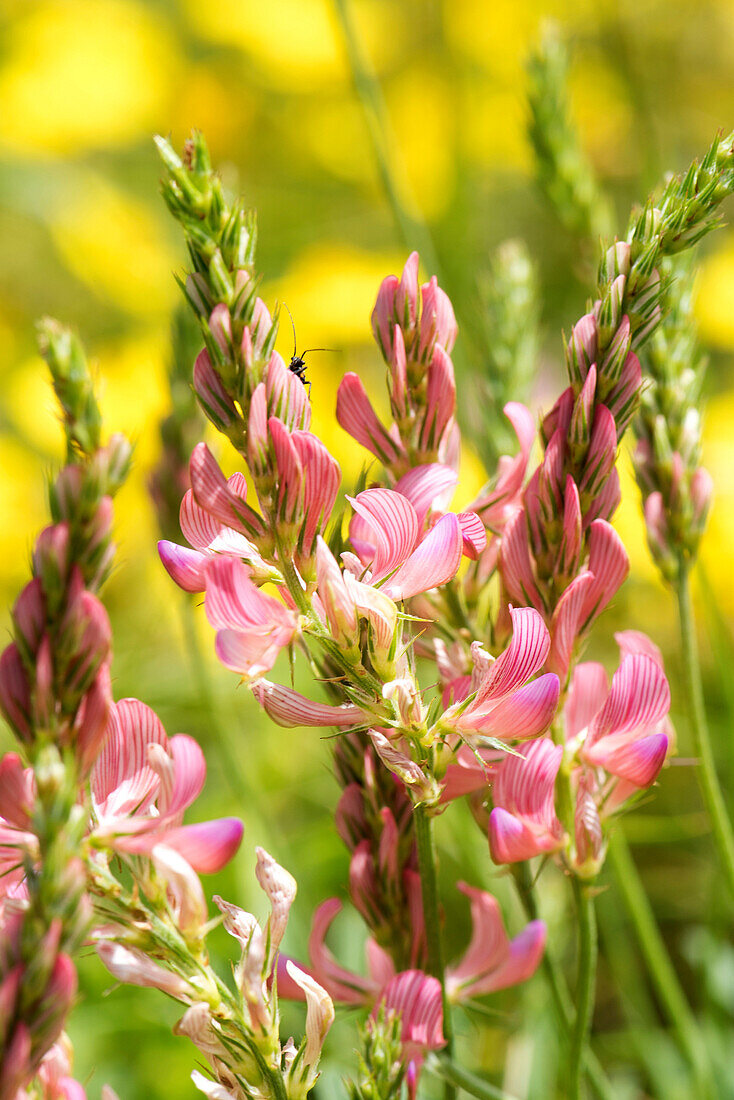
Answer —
(84, 236)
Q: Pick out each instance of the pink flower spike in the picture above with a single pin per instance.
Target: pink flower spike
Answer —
(433, 563)
(356, 416)
(428, 488)
(187, 568)
(290, 709)
(493, 962)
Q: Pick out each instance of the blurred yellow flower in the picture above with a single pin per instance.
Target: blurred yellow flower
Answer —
(113, 244)
(715, 295)
(83, 73)
(424, 119)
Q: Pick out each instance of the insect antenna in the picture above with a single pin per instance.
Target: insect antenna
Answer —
(293, 326)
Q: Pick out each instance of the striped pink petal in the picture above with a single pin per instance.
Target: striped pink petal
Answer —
(440, 399)
(416, 997)
(637, 760)
(16, 791)
(589, 688)
(526, 951)
(437, 321)
(489, 946)
(189, 773)
(251, 653)
(123, 782)
(233, 601)
(286, 395)
(525, 655)
(473, 535)
(212, 492)
(609, 563)
(289, 471)
(356, 415)
(198, 527)
(289, 708)
(570, 615)
(186, 567)
(515, 562)
(433, 563)
(638, 700)
(428, 488)
(394, 525)
(512, 840)
(525, 713)
(322, 477)
(631, 642)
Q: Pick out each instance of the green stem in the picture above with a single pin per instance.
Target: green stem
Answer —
(369, 93)
(429, 893)
(707, 777)
(585, 984)
(657, 960)
(559, 988)
(461, 1078)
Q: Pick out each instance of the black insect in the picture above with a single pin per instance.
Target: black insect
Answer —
(297, 365)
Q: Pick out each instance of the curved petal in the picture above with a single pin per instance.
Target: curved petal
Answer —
(253, 652)
(473, 534)
(589, 688)
(526, 713)
(123, 783)
(568, 619)
(638, 760)
(515, 561)
(189, 773)
(198, 527)
(342, 984)
(186, 567)
(355, 414)
(526, 951)
(634, 641)
(639, 699)
(394, 523)
(233, 601)
(428, 488)
(525, 655)
(489, 946)
(206, 846)
(417, 998)
(289, 708)
(511, 839)
(432, 564)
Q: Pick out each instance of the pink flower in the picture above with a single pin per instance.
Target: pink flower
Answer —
(416, 997)
(141, 785)
(386, 534)
(492, 961)
(523, 822)
(508, 704)
(252, 627)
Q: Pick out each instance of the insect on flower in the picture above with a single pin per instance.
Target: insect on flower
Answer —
(297, 364)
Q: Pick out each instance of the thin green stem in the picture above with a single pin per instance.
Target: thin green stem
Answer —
(462, 1079)
(429, 891)
(369, 93)
(706, 771)
(559, 987)
(661, 970)
(585, 984)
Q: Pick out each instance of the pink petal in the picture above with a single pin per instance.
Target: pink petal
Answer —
(289, 471)
(322, 477)
(198, 527)
(233, 601)
(342, 984)
(207, 846)
(638, 761)
(634, 641)
(526, 951)
(432, 564)
(639, 698)
(526, 713)
(589, 688)
(254, 652)
(515, 563)
(356, 415)
(417, 998)
(186, 567)
(290, 709)
(524, 656)
(511, 840)
(489, 946)
(122, 780)
(189, 773)
(427, 487)
(570, 615)
(287, 396)
(394, 525)
(473, 534)
(212, 492)
(440, 399)
(608, 561)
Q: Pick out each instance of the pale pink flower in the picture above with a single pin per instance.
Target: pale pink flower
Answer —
(252, 627)
(523, 822)
(143, 782)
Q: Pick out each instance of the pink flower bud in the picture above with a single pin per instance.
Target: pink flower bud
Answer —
(51, 559)
(406, 295)
(90, 725)
(280, 886)
(133, 967)
(583, 412)
(383, 315)
(16, 1069)
(438, 323)
(220, 326)
(15, 693)
(213, 398)
(29, 616)
(702, 489)
(582, 346)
